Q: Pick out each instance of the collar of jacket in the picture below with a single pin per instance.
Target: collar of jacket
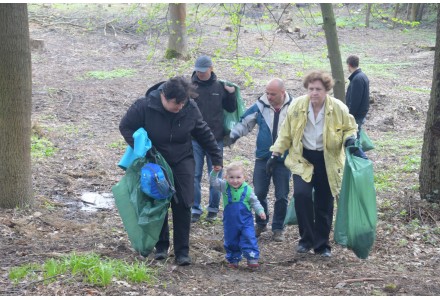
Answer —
(197, 81)
(263, 100)
(357, 71)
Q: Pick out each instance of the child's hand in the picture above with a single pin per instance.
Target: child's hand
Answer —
(217, 169)
(262, 215)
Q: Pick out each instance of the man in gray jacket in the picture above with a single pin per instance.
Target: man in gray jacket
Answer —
(268, 113)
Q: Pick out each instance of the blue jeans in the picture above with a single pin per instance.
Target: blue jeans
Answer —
(261, 181)
(214, 196)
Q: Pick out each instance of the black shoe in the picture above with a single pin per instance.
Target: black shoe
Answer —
(183, 260)
(195, 218)
(302, 249)
(325, 253)
(211, 217)
(161, 254)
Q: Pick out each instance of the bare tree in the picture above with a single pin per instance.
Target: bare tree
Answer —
(15, 107)
(420, 12)
(414, 11)
(177, 41)
(429, 177)
(334, 54)
(408, 11)
(396, 11)
(367, 17)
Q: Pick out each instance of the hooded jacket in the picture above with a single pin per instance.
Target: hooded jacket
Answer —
(170, 133)
(212, 99)
(261, 113)
(338, 126)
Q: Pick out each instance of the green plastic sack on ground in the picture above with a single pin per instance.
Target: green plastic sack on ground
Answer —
(356, 217)
(366, 142)
(232, 118)
(142, 216)
(290, 218)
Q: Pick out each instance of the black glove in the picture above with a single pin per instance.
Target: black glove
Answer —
(228, 140)
(350, 142)
(233, 138)
(356, 151)
(270, 165)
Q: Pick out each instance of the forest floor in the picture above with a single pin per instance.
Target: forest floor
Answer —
(80, 114)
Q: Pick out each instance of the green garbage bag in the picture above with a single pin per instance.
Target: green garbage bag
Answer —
(356, 216)
(142, 216)
(366, 142)
(290, 218)
(232, 118)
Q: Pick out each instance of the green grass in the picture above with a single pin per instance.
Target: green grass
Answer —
(411, 163)
(89, 268)
(41, 147)
(385, 180)
(260, 26)
(407, 156)
(301, 60)
(385, 70)
(423, 90)
(117, 73)
(120, 145)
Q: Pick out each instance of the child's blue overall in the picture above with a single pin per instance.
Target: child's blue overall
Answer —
(238, 223)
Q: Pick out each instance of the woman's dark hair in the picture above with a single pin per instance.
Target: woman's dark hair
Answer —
(324, 77)
(178, 88)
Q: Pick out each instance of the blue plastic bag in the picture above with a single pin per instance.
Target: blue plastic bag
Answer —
(154, 182)
(141, 145)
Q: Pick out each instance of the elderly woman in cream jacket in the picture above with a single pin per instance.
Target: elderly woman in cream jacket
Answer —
(315, 131)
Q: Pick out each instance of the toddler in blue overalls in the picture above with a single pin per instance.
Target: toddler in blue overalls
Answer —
(238, 221)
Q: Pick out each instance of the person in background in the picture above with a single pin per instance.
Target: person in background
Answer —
(238, 221)
(171, 118)
(268, 113)
(315, 130)
(358, 92)
(213, 97)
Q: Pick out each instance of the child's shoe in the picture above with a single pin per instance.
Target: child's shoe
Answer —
(253, 264)
(233, 265)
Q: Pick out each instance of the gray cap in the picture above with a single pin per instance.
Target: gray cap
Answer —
(203, 63)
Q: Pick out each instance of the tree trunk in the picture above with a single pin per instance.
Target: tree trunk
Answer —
(177, 41)
(429, 177)
(331, 36)
(396, 10)
(15, 107)
(367, 18)
(414, 10)
(420, 12)
(408, 11)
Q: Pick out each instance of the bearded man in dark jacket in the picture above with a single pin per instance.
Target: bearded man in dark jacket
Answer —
(171, 119)
(213, 98)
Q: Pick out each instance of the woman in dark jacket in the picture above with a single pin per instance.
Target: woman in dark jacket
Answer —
(171, 117)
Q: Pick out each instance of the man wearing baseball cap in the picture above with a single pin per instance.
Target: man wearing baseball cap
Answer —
(213, 97)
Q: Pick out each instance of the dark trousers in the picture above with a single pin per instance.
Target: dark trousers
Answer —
(314, 216)
(181, 209)
(261, 181)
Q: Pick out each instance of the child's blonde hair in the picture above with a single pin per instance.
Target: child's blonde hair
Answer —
(235, 165)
